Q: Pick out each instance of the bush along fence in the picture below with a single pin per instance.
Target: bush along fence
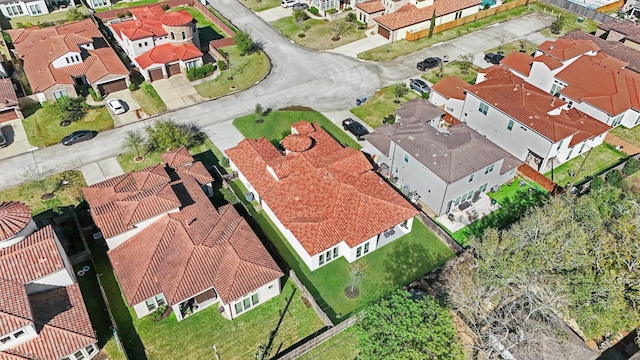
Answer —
(612, 175)
(584, 11)
(296, 351)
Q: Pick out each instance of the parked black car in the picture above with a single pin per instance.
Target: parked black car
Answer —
(78, 136)
(493, 58)
(429, 63)
(355, 128)
(419, 86)
(3, 139)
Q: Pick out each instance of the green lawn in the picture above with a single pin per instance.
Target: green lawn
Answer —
(514, 46)
(30, 192)
(152, 158)
(27, 21)
(631, 135)
(124, 4)
(277, 125)
(149, 100)
(245, 72)
(452, 69)
(261, 5)
(42, 127)
(343, 346)
(381, 105)
(320, 34)
(601, 157)
(207, 30)
(509, 191)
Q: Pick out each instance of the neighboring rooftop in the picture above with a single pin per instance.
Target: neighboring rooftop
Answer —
(451, 87)
(418, 110)
(39, 47)
(629, 29)
(531, 107)
(148, 21)
(612, 48)
(324, 195)
(566, 48)
(519, 62)
(8, 97)
(409, 14)
(168, 53)
(14, 216)
(371, 6)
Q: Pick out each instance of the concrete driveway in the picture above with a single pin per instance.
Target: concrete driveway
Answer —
(101, 170)
(16, 137)
(354, 48)
(274, 14)
(134, 112)
(177, 91)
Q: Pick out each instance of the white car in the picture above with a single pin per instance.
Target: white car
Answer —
(116, 106)
(288, 3)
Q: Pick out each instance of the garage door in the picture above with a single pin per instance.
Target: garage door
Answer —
(8, 115)
(156, 74)
(174, 69)
(384, 31)
(111, 87)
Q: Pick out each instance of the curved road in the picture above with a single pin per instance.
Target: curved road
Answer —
(322, 80)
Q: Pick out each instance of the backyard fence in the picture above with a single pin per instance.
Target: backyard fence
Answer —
(582, 11)
(531, 173)
(325, 319)
(312, 343)
(582, 186)
(443, 235)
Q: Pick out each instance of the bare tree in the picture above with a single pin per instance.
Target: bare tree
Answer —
(339, 27)
(356, 275)
(38, 178)
(465, 61)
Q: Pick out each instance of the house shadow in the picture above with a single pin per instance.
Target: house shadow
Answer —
(207, 34)
(8, 133)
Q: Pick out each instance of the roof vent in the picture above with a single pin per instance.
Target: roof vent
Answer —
(411, 137)
(552, 47)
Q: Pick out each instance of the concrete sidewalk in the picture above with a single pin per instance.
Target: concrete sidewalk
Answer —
(354, 48)
(100, 171)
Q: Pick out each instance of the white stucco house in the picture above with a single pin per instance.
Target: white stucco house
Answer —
(170, 246)
(13, 9)
(325, 199)
(449, 94)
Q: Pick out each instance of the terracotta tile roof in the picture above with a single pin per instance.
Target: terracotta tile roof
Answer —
(14, 216)
(32, 258)
(326, 194)
(168, 53)
(409, 14)
(197, 171)
(612, 48)
(617, 89)
(418, 110)
(297, 142)
(187, 252)
(8, 97)
(148, 22)
(451, 87)
(63, 325)
(629, 29)
(38, 48)
(15, 311)
(177, 18)
(177, 157)
(371, 6)
(119, 203)
(519, 62)
(551, 62)
(565, 49)
(530, 106)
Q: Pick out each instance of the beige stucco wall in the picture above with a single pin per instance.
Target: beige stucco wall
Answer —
(71, 91)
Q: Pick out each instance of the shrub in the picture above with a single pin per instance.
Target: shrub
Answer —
(596, 183)
(222, 65)
(20, 25)
(614, 178)
(74, 14)
(224, 162)
(165, 135)
(133, 87)
(332, 11)
(229, 195)
(120, 15)
(314, 10)
(200, 72)
(95, 96)
(159, 312)
(164, 7)
(244, 42)
(128, 13)
(425, 95)
(348, 8)
(72, 109)
(631, 166)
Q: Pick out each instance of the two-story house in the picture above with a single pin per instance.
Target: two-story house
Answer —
(531, 124)
(17, 8)
(440, 167)
(325, 199)
(159, 43)
(449, 94)
(626, 32)
(42, 312)
(170, 246)
(59, 59)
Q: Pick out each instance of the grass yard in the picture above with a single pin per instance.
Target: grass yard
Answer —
(632, 182)
(207, 30)
(601, 157)
(149, 100)
(320, 33)
(277, 125)
(30, 192)
(513, 46)
(152, 158)
(509, 191)
(570, 20)
(380, 105)
(43, 128)
(246, 71)
(631, 135)
(124, 4)
(343, 346)
(27, 21)
(261, 5)
(452, 69)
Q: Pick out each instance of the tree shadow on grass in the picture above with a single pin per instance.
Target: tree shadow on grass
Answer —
(406, 263)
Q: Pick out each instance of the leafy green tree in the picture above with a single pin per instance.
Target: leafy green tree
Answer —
(244, 42)
(164, 135)
(400, 326)
(557, 25)
(134, 141)
(260, 113)
(465, 61)
(432, 23)
(299, 16)
(71, 109)
(631, 166)
(351, 17)
(399, 90)
(229, 195)
(614, 177)
(74, 14)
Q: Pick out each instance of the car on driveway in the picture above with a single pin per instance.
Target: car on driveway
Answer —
(355, 128)
(78, 136)
(3, 139)
(493, 58)
(429, 63)
(299, 6)
(116, 106)
(419, 85)
(288, 3)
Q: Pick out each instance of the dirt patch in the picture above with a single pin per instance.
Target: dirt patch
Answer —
(351, 292)
(296, 108)
(305, 301)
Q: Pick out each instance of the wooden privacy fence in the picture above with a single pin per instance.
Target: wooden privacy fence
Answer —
(312, 343)
(415, 35)
(325, 319)
(535, 176)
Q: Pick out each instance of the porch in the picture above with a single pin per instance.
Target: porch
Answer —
(467, 213)
(195, 304)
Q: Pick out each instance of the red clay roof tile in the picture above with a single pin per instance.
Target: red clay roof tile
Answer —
(409, 14)
(14, 216)
(168, 53)
(519, 62)
(451, 87)
(565, 49)
(371, 6)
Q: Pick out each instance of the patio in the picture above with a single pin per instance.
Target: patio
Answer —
(467, 213)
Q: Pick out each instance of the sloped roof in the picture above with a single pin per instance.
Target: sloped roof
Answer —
(177, 157)
(324, 195)
(148, 22)
(187, 252)
(565, 48)
(451, 87)
(14, 216)
(612, 48)
(32, 258)
(38, 48)
(629, 29)
(371, 6)
(530, 106)
(15, 311)
(519, 62)
(168, 53)
(418, 110)
(8, 97)
(409, 14)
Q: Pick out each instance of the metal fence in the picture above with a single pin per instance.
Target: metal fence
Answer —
(317, 340)
(325, 319)
(580, 10)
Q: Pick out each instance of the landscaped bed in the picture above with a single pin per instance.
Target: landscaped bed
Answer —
(381, 105)
(277, 124)
(126, 160)
(320, 34)
(601, 157)
(149, 100)
(26, 21)
(452, 69)
(246, 71)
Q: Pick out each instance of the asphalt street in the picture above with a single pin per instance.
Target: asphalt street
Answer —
(324, 81)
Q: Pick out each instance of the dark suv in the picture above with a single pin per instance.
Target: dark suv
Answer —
(493, 58)
(355, 128)
(429, 63)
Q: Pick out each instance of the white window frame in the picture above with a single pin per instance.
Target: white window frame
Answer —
(471, 177)
(510, 125)
(483, 108)
(617, 120)
(489, 169)
(406, 158)
(247, 299)
(59, 94)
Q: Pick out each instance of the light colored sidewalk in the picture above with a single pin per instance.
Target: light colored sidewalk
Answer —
(100, 171)
(274, 14)
(354, 48)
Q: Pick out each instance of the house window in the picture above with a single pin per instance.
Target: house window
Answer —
(321, 259)
(484, 108)
(139, 45)
(512, 172)
(395, 170)
(59, 94)
(470, 194)
(358, 252)
(35, 9)
(184, 35)
(458, 15)
(555, 89)
(173, 37)
(483, 187)
(98, 3)
(160, 300)
(17, 334)
(637, 120)
(90, 349)
(14, 10)
(68, 61)
(328, 255)
(569, 155)
(510, 125)
(406, 158)
(254, 299)
(617, 120)
(151, 305)
(570, 104)
(79, 355)
(488, 169)
(457, 202)
(238, 307)
(192, 64)
(471, 177)
(335, 252)
(582, 148)
(559, 145)
(246, 303)
(5, 339)
(366, 248)
(145, 43)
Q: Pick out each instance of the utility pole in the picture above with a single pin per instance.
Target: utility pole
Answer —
(570, 184)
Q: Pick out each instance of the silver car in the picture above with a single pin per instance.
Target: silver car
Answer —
(116, 106)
